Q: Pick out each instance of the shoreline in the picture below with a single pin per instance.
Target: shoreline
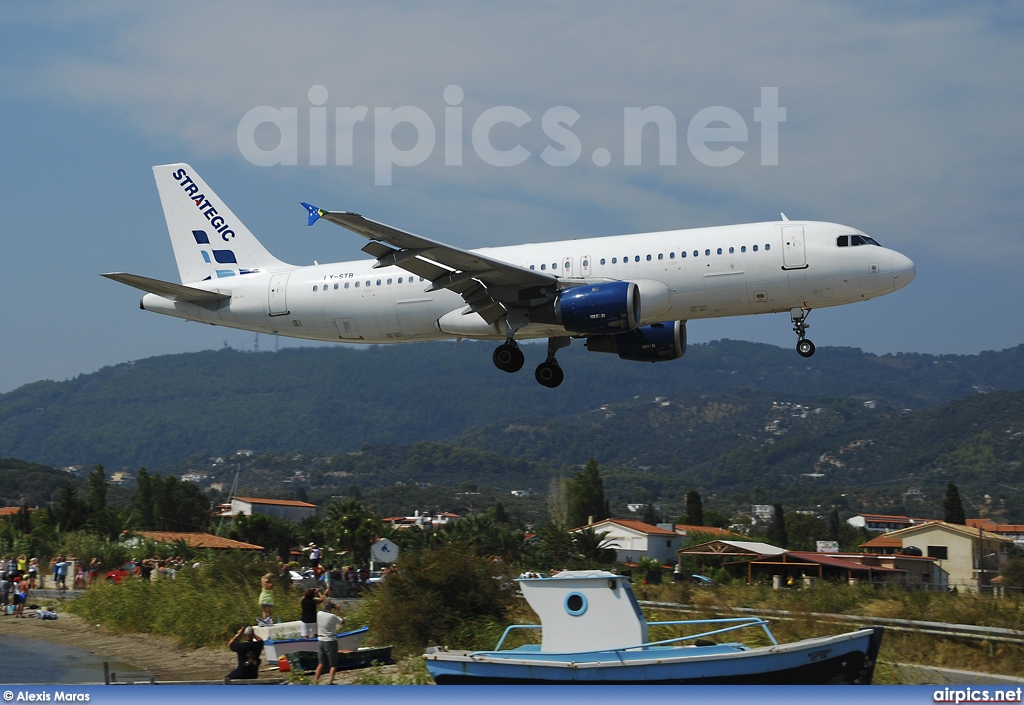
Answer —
(160, 656)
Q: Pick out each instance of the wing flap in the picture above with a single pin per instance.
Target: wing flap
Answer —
(492, 272)
(168, 290)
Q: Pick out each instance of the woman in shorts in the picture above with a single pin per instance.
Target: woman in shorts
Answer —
(267, 599)
(310, 599)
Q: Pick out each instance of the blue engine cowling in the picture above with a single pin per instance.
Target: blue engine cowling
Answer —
(609, 307)
(653, 343)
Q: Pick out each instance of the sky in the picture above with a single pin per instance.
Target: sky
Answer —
(490, 124)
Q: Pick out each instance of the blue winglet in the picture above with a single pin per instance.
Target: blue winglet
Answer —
(314, 213)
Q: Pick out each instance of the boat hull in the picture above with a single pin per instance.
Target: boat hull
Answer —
(347, 641)
(843, 659)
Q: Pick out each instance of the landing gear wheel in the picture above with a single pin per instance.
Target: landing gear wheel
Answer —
(549, 374)
(805, 347)
(508, 357)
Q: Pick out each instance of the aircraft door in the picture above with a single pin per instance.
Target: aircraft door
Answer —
(278, 295)
(793, 254)
(585, 265)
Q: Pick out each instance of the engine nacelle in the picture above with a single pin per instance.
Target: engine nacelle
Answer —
(653, 343)
(609, 307)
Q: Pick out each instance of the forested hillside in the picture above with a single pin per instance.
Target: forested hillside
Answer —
(159, 411)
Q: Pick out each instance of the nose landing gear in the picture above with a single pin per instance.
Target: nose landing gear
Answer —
(804, 347)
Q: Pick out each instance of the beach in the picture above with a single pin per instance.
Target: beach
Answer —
(160, 656)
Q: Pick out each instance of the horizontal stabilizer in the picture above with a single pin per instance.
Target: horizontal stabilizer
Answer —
(174, 292)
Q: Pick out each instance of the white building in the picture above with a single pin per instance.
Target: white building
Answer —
(288, 509)
(633, 540)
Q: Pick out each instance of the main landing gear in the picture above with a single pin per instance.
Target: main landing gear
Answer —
(799, 316)
(548, 372)
(509, 358)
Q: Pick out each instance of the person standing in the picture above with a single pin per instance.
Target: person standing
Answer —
(33, 573)
(266, 599)
(328, 625)
(248, 647)
(315, 553)
(310, 599)
(20, 597)
(61, 573)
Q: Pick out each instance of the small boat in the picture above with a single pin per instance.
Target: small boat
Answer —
(347, 660)
(593, 632)
(284, 638)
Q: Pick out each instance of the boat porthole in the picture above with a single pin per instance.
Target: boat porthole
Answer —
(575, 604)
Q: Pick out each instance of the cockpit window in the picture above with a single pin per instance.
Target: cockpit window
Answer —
(854, 241)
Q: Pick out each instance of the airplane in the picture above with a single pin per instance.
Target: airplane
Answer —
(631, 295)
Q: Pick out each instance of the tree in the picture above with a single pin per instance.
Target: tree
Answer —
(593, 546)
(585, 500)
(777, 529)
(352, 527)
(70, 512)
(272, 533)
(952, 507)
(834, 526)
(694, 509)
(96, 492)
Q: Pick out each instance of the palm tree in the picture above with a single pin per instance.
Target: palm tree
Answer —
(591, 545)
(352, 527)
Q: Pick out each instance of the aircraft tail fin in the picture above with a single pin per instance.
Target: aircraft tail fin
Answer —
(209, 241)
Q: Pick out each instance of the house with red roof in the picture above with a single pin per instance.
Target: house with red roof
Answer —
(288, 509)
(633, 540)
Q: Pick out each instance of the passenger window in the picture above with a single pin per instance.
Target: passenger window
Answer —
(346, 285)
(637, 258)
(672, 255)
(367, 282)
(683, 254)
(586, 263)
(719, 250)
(731, 250)
(695, 253)
(554, 265)
(389, 281)
(314, 287)
(357, 285)
(649, 258)
(532, 266)
(661, 256)
(707, 253)
(615, 260)
(743, 249)
(399, 280)
(767, 247)
(602, 260)
(565, 265)
(755, 248)
(335, 287)
(378, 282)
(544, 268)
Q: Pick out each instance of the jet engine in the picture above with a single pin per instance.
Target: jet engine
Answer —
(609, 307)
(653, 343)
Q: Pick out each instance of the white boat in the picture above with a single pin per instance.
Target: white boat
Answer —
(593, 632)
(286, 637)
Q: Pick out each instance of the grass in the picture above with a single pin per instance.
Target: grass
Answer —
(867, 602)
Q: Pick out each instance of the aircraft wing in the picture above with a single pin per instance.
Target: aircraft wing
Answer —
(175, 292)
(488, 285)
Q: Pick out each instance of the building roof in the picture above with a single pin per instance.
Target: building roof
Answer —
(633, 525)
(713, 530)
(734, 548)
(838, 561)
(280, 502)
(989, 525)
(198, 540)
(11, 511)
(883, 541)
(965, 531)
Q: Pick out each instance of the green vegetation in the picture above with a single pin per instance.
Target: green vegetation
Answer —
(201, 606)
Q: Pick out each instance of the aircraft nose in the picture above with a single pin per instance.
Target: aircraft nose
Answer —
(903, 270)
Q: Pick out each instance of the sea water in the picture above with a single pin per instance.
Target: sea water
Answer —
(32, 661)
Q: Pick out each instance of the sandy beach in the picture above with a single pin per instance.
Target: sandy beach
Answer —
(160, 656)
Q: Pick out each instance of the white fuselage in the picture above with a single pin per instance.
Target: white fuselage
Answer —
(682, 275)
